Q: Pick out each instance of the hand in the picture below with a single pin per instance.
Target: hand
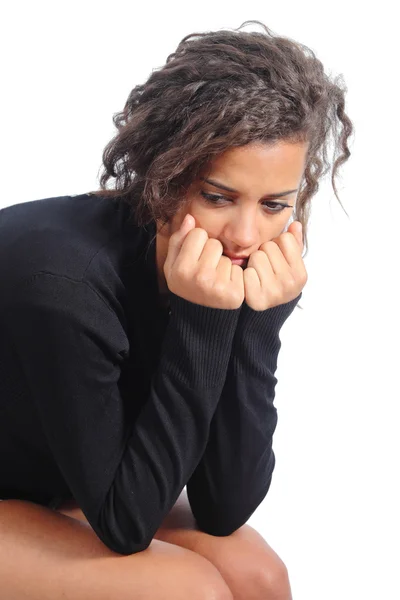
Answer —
(275, 273)
(196, 270)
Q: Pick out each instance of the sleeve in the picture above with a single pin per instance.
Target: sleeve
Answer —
(235, 472)
(126, 476)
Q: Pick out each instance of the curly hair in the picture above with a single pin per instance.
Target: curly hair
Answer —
(218, 90)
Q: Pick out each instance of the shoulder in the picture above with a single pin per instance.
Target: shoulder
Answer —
(70, 237)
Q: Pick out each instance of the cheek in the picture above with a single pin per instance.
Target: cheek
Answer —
(206, 218)
(274, 229)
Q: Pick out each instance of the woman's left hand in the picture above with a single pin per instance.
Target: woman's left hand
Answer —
(275, 273)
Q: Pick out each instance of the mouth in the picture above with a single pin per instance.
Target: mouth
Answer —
(238, 261)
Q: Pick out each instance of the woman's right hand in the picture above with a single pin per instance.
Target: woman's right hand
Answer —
(196, 270)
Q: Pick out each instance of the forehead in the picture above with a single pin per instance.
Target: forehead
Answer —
(262, 155)
(266, 164)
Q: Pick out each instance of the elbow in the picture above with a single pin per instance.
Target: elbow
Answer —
(122, 530)
(121, 541)
(123, 546)
(223, 520)
(224, 517)
(227, 517)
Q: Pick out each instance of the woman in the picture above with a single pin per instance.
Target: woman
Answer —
(138, 351)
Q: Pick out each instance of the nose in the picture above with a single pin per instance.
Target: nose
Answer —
(242, 234)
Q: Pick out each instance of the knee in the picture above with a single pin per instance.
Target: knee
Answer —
(192, 575)
(273, 581)
(205, 582)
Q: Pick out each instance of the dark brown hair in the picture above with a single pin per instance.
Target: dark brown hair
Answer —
(222, 89)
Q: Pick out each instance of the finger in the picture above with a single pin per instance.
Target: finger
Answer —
(252, 284)
(237, 277)
(192, 247)
(289, 253)
(224, 269)
(296, 229)
(231, 278)
(176, 240)
(260, 261)
(212, 252)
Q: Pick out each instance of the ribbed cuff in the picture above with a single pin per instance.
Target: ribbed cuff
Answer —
(198, 342)
(256, 344)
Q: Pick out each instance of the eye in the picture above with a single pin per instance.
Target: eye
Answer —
(274, 207)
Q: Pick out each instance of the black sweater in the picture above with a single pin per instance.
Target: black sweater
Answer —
(108, 398)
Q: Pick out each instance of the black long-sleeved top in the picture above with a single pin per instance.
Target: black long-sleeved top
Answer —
(107, 398)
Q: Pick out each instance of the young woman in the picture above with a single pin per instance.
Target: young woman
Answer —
(140, 332)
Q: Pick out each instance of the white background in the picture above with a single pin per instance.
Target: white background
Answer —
(332, 512)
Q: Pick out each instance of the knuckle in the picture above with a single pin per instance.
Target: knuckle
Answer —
(216, 243)
(220, 290)
(182, 271)
(203, 276)
(238, 296)
(200, 233)
(291, 281)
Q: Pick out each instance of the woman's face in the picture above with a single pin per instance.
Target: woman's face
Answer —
(249, 215)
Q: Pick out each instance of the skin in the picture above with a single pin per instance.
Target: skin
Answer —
(249, 566)
(240, 221)
(241, 566)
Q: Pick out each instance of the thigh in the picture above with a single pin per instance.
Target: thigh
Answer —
(45, 555)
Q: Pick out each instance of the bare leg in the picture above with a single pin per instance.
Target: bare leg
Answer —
(45, 555)
(250, 567)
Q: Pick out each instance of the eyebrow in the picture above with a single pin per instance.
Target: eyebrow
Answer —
(228, 189)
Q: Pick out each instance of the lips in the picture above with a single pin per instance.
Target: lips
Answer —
(233, 257)
(241, 262)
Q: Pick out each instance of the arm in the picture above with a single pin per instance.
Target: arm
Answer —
(125, 474)
(234, 474)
